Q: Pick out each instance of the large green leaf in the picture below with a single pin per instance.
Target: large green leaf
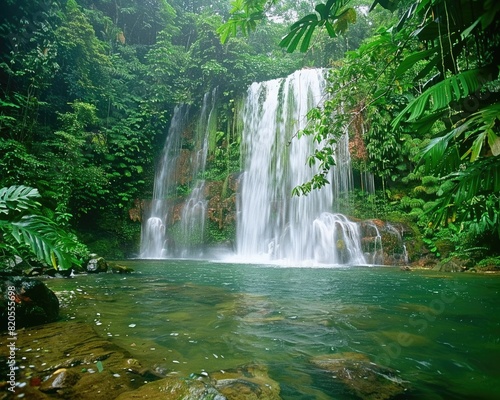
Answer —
(411, 60)
(22, 221)
(18, 199)
(440, 95)
(328, 15)
(297, 30)
(45, 240)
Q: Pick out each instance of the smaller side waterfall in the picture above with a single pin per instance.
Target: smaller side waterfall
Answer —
(372, 242)
(180, 166)
(194, 212)
(153, 236)
(193, 219)
(337, 240)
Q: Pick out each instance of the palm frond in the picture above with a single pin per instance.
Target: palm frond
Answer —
(440, 95)
(441, 154)
(478, 131)
(328, 15)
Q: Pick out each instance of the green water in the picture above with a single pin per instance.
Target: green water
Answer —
(440, 332)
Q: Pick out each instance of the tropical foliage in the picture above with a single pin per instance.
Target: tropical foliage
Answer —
(88, 89)
(420, 101)
(23, 228)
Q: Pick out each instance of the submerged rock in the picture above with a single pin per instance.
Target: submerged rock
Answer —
(362, 377)
(174, 388)
(249, 382)
(121, 269)
(69, 360)
(60, 379)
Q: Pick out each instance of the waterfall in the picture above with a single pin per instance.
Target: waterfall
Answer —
(271, 223)
(194, 211)
(173, 170)
(154, 243)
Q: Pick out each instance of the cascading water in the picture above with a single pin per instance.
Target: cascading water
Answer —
(155, 242)
(194, 211)
(271, 223)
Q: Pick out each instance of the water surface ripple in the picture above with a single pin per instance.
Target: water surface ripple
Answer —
(439, 332)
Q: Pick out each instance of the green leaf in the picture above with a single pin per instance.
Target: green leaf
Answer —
(344, 19)
(411, 60)
(298, 29)
(322, 10)
(99, 366)
(41, 235)
(476, 148)
(304, 21)
(307, 38)
(494, 142)
(441, 94)
(8, 104)
(467, 31)
(295, 41)
(330, 29)
(22, 221)
(18, 198)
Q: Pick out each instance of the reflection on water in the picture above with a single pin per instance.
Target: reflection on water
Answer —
(439, 332)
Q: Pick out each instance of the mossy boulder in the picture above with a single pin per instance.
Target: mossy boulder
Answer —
(120, 269)
(249, 382)
(453, 264)
(97, 265)
(174, 388)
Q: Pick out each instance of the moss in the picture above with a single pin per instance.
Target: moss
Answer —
(489, 264)
(215, 235)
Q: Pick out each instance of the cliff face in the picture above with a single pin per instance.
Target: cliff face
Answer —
(220, 222)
